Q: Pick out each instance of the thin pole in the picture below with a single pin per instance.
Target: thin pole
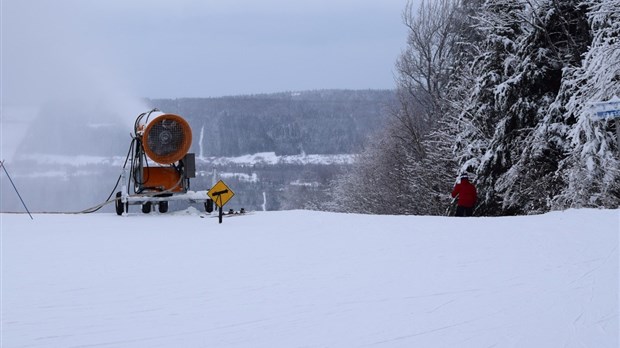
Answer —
(221, 213)
(15, 188)
(618, 133)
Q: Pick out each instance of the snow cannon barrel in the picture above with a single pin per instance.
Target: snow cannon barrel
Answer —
(167, 138)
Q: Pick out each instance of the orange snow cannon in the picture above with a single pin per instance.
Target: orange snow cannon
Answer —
(161, 165)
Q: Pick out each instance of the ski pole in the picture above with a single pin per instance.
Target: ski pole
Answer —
(450, 206)
(15, 188)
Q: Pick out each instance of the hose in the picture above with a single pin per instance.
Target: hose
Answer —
(107, 200)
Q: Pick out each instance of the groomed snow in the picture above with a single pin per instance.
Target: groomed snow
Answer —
(310, 279)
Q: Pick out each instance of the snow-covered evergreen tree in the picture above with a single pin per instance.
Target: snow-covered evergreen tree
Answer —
(591, 171)
(482, 125)
(529, 48)
(557, 40)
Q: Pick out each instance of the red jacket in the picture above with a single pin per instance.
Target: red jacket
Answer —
(466, 192)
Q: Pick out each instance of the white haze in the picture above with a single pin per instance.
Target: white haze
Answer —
(208, 48)
(99, 58)
(53, 74)
(62, 93)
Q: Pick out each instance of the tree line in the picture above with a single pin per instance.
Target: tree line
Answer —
(500, 89)
(290, 123)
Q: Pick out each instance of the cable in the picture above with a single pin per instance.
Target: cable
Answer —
(107, 200)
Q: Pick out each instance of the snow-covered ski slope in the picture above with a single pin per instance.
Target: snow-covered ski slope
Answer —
(310, 279)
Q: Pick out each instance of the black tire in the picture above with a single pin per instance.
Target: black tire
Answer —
(118, 204)
(146, 207)
(163, 207)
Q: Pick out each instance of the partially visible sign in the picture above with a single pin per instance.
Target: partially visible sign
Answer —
(608, 114)
(220, 193)
(608, 109)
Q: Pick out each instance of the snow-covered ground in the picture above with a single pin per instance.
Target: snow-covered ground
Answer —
(272, 159)
(310, 279)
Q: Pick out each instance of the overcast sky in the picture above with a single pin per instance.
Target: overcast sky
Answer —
(196, 48)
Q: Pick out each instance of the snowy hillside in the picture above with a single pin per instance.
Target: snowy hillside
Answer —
(310, 279)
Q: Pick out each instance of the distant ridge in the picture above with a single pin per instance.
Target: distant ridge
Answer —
(287, 123)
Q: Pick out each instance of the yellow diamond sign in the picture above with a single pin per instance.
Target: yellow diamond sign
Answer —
(220, 193)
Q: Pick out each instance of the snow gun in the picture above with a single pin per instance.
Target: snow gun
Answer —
(161, 166)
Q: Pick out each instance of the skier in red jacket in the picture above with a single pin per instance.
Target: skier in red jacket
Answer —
(467, 196)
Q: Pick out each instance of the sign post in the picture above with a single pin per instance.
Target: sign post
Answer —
(220, 194)
(609, 110)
